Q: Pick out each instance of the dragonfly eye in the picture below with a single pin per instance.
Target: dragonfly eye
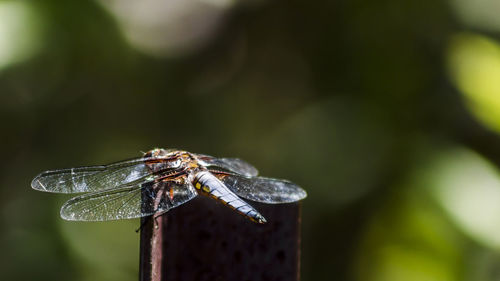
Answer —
(176, 163)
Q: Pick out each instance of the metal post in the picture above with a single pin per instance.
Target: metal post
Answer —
(205, 240)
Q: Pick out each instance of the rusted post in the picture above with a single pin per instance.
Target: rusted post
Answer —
(205, 240)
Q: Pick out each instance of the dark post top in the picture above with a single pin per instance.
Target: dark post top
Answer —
(205, 240)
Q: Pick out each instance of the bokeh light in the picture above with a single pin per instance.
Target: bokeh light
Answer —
(474, 66)
(408, 237)
(478, 13)
(468, 188)
(168, 28)
(20, 32)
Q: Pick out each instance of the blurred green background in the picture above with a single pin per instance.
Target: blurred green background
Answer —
(386, 112)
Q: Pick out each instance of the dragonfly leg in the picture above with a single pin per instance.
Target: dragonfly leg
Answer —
(157, 215)
(145, 220)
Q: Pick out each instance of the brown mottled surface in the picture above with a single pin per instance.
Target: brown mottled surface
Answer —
(205, 240)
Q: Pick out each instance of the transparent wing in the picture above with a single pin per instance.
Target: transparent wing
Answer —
(93, 178)
(127, 202)
(233, 165)
(265, 190)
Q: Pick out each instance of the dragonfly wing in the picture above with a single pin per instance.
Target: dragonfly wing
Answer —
(93, 178)
(233, 165)
(265, 190)
(132, 201)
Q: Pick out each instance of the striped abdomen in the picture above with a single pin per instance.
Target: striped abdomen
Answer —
(208, 184)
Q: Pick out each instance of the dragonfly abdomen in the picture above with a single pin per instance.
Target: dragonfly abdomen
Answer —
(210, 185)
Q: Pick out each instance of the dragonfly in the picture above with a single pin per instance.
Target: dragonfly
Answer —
(160, 180)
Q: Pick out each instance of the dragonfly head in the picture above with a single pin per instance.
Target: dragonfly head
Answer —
(158, 153)
(159, 159)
